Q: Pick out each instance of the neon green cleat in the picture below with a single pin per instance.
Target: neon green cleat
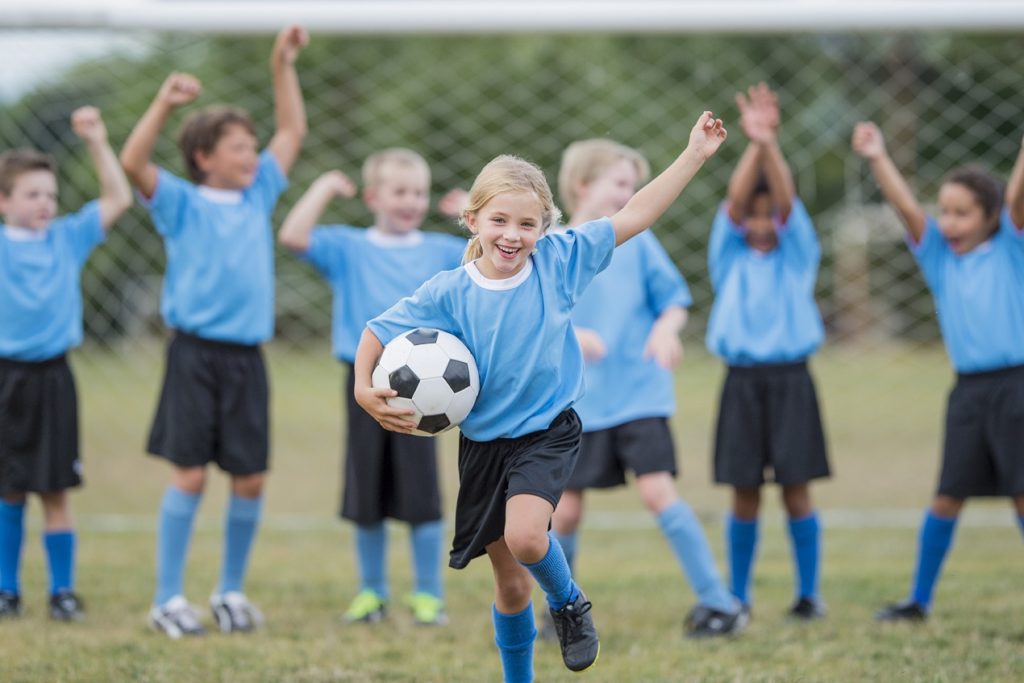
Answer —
(427, 609)
(367, 607)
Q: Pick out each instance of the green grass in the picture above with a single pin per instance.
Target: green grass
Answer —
(883, 413)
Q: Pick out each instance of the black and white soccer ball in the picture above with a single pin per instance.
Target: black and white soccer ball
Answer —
(434, 374)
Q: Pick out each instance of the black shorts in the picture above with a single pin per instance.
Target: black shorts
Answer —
(769, 421)
(983, 454)
(643, 446)
(387, 474)
(491, 472)
(214, 406)
(38, 427)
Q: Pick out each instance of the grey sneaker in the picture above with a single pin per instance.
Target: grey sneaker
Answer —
(576, 634)
(176, 618)
(234, 613)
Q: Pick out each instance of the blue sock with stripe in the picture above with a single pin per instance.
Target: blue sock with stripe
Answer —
(933, 545)
(686, 537)
(12, 534)
(426, 540)
(60, 557)
(553, 576)
(240, 524)
(371, 554)
(742, 543)
(569, 543)
(174, 531)
(514, 635)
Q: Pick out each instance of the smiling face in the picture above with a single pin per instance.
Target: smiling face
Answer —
(606, 194)
(233, 161)
(508, 226)
(32, 201)
(400, 199)
(962, 219)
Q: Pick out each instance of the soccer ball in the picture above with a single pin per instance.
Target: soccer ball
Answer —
(434, 374)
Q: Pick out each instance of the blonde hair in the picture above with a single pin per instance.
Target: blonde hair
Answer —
(585, 160)
(502, 174)
(373, 167)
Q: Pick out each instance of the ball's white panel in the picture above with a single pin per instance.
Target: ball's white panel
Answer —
(379, 378)
(452, 346)
(395, 353)
(433, 396)
(405, 403)
(461, 404)
(427, 360)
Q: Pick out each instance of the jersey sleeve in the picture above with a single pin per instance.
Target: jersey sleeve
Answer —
(418, 310)
(328, 249)
(724, 245)
(1006, 225)
(270, 180)
(581, 253)
(168, 203)
(83, 230)
(798, 238)
(664, 283)
(930, 252)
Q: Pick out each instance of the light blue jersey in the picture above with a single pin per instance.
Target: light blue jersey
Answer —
(979, 296)
(518, 329)
(369, 271)
(219, 281)
(40, 287)
(764, 310)
(621, 306)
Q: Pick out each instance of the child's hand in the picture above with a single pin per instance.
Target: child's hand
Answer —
(289, 43)
(592, 345)
(339, 184)
(179, 89)
(88, 125)
(374, 401)
(868, 141)
(707, 135)
(453, 202)
(759, 113)
(664, 346)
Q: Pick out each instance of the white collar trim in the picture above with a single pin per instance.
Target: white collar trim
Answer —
(219, 195)
(500, 284)
(19, 234)
(389, 239)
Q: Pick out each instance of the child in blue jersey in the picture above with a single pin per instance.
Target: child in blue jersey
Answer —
(218, 298)
(763, 256)
(41, 260)
(387, 474)
(628, 323)
(511, 304)
(972, 257)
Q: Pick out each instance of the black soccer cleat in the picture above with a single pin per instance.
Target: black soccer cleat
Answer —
(708, 622)
(908, 610)
(10, 605)
(66, 606)
(807, 609)
(576, 634)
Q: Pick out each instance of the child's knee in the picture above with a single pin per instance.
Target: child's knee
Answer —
(516, 589)
(247, 486)
(526, 544)
(189, 479)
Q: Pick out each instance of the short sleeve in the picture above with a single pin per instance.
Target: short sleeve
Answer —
(724, 245)
(1007, 225)
(798, 238)
(82, 230)
(581, 253)
(664, 283)
(270, 180)
(327, 250)
(168, 203)
(930, 252)
(418, 310)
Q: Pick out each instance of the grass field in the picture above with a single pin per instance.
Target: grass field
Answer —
(883, 413)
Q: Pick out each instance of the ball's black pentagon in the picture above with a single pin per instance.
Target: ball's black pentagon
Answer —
(404, 381)
(432, 424)
(457, 375)
(422, 335)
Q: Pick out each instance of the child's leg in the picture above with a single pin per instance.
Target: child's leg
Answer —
(565, 523)
(933, 545)
(686, 537)
(240, 524)
(59, 541)
(427, 542)
(527, 538)
(514, 631)
(1018, 503)
(174, 531)
(371, 557)
(741, 530)
(12, 534)
(805, 534)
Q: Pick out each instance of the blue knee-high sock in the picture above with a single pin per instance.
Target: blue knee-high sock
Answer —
(805, 534)
(1020, 521)
(742, 544)
(240, 524)
(686, 537)
(569, 543)
(174, 531)
(12, 533)
(426, 540)
(933, 544)
(371, 554)
(553, 575)
(60, 556)
(514, 635)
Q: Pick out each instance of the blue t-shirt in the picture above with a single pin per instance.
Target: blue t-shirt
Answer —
(979, 296)
(518, 329)
(621, 305)
(40, 287)
(369, 271)
(219, 282)
(764, 310)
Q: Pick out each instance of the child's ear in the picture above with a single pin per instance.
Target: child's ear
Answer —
(469, 218)
(202, 160)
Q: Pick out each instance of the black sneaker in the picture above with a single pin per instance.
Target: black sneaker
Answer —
(10, 605)
(66, 606)
(576, 634)
(708, 622)
(807, 609)
(908, 610)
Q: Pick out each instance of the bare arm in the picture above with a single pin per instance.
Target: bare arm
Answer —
(289, 108)
(742, 181)
(115, 194)
(299, 223)
(868, 143)
(1015, 190)
(647, 205)
(663, 343)
(374, 401)
(780, 179)
(177, 90)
